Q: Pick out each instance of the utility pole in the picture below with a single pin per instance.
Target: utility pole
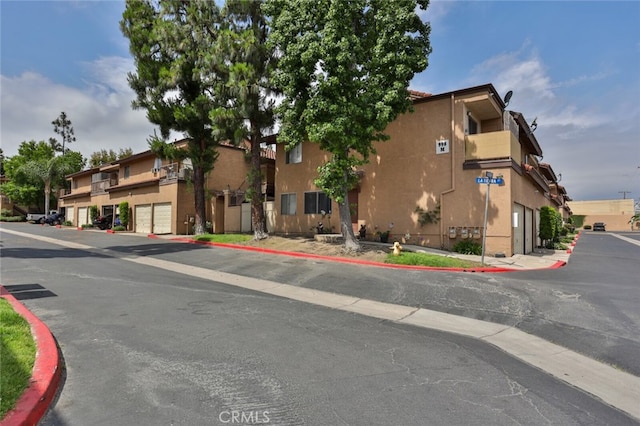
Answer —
(624, 194)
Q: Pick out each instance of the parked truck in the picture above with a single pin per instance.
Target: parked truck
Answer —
(39, 217)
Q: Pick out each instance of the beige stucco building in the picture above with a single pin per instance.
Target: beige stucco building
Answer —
(160, 195)
(431, 162)
(616, 214)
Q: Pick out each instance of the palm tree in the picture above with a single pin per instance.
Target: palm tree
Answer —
(50, 172)
(635, 218)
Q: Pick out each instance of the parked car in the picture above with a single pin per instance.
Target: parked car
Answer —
(54, 219)
(598, 226)
(39, 217)
(103, 222)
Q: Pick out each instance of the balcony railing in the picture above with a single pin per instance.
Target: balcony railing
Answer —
(172, 173)
(492, 145)
(101, 186)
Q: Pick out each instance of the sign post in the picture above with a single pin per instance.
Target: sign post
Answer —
(488, 179)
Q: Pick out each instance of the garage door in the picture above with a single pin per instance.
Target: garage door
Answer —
(162, 218)
(528, 231)
(68, 215)
(143, 218)
(518, 229)
(82, 216)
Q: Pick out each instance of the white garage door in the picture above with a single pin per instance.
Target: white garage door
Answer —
(162, 218)
(82, 216)
(68, 216)
(143, 218)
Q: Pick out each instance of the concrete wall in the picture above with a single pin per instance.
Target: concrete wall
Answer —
(614, 213)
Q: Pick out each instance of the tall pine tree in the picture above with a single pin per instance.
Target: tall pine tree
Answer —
(168, 39)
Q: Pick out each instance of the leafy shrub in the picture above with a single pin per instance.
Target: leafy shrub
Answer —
(119, 228)
(4, 218)
(93, 212)
(67, 223)
(468, 247)
(87, 225)
(123, 208)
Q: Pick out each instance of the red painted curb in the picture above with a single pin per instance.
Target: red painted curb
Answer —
(46, 374)
(339, 259)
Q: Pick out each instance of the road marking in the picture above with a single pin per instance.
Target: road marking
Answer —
(627, 239)
(612, 386)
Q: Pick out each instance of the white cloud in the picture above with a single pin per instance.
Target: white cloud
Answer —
(100, 111)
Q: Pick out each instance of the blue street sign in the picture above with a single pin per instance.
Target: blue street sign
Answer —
(486, 180)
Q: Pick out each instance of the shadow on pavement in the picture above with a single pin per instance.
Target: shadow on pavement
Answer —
(37, 253)
(29, 291)
(157, 248)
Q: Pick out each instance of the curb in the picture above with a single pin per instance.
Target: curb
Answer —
(556, 265)
(46, 375)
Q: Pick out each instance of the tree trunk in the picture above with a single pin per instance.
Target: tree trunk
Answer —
(350, 241)
(47, 195)
(255, 181)
(198, 189)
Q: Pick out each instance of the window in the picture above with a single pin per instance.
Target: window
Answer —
(473, 125)
(288, 204)
(236, 199)
(127, 171)
(316, 202)
(294, 155)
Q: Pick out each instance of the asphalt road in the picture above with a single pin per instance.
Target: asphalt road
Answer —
(147, 346)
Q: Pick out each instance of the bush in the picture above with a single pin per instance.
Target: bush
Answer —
(468, 247)
(119, 228)
(67, 223)
(93, 212)
(87, 225)
(123, 208)
(4, 218)
(587, 227)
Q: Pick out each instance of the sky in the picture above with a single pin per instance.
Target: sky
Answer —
(573, 65)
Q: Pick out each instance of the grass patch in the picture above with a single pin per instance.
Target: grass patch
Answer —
(433, 260)
(223, 238)
(17, 355)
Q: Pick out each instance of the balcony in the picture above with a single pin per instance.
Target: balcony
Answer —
(101, 186)
(492, 145)
(172, 173)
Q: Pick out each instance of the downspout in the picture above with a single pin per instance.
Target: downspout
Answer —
(453, 175)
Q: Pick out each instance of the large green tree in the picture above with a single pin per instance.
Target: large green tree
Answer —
(344, 70)
(249, 65)
(35, 173)
(168, 41)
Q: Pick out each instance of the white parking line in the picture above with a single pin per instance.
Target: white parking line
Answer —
(627, 239)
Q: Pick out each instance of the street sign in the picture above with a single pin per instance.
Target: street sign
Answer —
(486, 180)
